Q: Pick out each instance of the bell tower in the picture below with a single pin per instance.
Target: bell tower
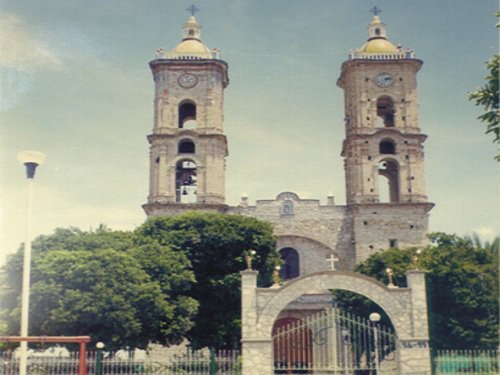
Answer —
(383, 147)
(188, 146)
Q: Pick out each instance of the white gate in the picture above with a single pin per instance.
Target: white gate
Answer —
(335, 342)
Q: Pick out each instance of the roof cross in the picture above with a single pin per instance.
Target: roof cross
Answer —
(376, 10)
(192, 9)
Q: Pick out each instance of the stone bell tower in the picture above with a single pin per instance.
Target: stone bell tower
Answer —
(383, 148)
(188, 146)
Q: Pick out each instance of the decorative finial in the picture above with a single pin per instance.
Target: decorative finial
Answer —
(248, 257)
(192, 9)
(415, 258)
(390, 275)
(276, 276)
(376, 10)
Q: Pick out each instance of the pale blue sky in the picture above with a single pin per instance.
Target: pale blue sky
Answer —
(75, 84)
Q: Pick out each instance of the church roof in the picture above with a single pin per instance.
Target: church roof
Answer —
(378, 46)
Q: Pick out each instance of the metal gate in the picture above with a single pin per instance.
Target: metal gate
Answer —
(335, 342)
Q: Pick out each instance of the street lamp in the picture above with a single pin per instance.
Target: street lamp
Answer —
(31, 159)
(375, 318)
(98, 360)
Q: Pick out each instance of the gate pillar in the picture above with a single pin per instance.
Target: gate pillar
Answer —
(255, 347)
(414, 352)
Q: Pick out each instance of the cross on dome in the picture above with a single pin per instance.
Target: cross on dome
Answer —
(192, 9)
(376, 10)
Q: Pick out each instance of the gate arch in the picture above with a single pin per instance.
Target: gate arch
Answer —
(405, 307)
(392, 300)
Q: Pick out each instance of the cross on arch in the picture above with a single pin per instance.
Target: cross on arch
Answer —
(332, 261)
(192, 9)
(376, 10)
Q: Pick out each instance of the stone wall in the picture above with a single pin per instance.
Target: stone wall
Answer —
(351, 233)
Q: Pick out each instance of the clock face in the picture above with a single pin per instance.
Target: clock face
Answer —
(383, 79)
(187, 80)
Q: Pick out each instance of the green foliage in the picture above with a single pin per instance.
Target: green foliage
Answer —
(463, 288)
(215, 245)
(104, 284)
(487, 96)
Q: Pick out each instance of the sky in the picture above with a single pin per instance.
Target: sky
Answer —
(75, 84)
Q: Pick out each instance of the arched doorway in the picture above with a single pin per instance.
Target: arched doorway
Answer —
(405, 307)
(185, 181)
(388, 181)
(332, 340)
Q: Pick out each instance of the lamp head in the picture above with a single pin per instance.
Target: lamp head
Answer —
(31, 159)
(374, 317)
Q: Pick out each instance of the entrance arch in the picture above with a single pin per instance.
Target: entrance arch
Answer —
(406, 308)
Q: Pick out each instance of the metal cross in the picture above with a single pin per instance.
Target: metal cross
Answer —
(332, 261)
(192, 9)
(376, 10)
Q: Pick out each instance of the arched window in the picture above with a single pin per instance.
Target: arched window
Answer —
(388, 181)
(186, 146)
(290, 267)
(387, 146)
(185, 182)
(385, 111)
(187, 115)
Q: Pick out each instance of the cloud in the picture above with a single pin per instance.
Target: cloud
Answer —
(56, 208)
(485, 233)
(22, 50)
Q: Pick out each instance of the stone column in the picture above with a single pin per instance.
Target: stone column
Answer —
(415, 353)
(256, 351)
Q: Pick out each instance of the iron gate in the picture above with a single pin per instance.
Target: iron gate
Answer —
(335, 342)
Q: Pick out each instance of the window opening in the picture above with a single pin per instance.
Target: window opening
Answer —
(187, 115)
(393, 243)
(186, 146)
(290, 267)
(387, 146)
(185, 182)
(385, 112)
(287, 208)
(388, 181)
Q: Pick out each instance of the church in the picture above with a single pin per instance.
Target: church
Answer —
(297, 325)
(386, 202)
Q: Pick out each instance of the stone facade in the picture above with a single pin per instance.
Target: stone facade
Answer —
(386, 201)
(382, 150)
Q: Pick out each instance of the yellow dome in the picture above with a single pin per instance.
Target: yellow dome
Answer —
(191, 47)
(378, 46)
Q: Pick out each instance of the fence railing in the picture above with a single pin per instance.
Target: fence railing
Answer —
(203, 362)
(471, 362)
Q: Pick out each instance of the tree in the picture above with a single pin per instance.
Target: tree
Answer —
(101, 283)
(215, 245)
(462, 289)
(487, 96)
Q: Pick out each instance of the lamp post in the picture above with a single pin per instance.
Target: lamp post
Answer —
(31, 159)
(375, 318)
(98, 360)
